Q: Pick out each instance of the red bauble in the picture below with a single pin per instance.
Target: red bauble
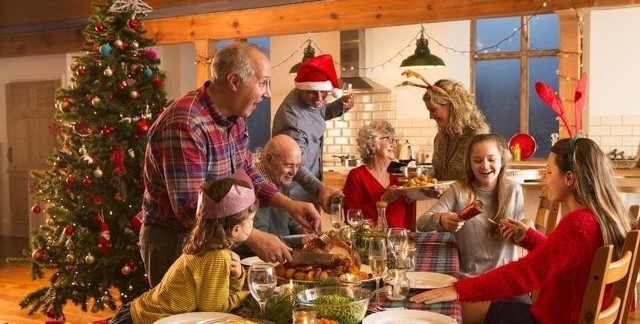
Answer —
(132, 264)
(65, 105)
(136, 136)
(134, 23)
(81, 70)
(51, 313)
(71, 180)
(98, 200)
(68, 230)
(142, 125)
(117, 197)
(157, 82)
(107, 130)
(110, 95)
(36, 209)
(71, 267)
(38, 255)
(95, 47)
(87, 181)
(99, 27)
(121, 85)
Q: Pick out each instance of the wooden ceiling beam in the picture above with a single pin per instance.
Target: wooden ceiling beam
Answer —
(305, 17)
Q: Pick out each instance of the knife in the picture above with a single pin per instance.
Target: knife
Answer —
(312, 258)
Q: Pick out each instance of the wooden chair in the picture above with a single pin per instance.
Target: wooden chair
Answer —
(633, 212)
(548, 212)
(622, 273)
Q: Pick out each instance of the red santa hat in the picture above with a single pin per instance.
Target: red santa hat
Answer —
(318, 74)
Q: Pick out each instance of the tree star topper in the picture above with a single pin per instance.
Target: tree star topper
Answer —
(137, 6)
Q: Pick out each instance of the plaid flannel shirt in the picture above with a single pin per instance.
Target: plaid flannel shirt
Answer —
(191, 142)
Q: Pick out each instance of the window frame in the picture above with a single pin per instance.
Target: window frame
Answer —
(524, 54)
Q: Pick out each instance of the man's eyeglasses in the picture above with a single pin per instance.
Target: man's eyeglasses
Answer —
(389, 139)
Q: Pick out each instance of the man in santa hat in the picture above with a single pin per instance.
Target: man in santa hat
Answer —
(302, 116)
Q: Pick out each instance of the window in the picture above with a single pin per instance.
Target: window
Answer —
(512, 54)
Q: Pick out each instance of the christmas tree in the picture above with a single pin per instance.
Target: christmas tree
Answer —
(94, 188)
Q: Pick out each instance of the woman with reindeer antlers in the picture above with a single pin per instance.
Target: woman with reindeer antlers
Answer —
(458, 118)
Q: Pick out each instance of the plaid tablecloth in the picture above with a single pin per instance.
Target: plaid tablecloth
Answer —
(435, 252)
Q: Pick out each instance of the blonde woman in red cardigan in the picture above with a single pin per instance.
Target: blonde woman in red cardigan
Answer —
(579, 175)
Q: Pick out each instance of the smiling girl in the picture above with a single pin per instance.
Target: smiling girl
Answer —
(480, 246)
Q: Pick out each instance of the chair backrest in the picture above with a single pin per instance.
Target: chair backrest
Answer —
(622, 273)
(547, 215)
(633, 212)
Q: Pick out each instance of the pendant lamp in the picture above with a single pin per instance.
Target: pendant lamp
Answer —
(309, 52)
(422, 57)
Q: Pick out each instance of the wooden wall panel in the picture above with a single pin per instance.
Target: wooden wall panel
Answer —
(301, 17)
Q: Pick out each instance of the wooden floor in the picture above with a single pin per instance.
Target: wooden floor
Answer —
(15, 283)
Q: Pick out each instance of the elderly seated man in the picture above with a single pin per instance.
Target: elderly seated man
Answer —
(279, 161)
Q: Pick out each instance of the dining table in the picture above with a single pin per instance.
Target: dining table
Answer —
(435, 252)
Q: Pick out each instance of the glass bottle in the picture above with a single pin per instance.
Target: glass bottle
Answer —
(381, 225)
(399, 284)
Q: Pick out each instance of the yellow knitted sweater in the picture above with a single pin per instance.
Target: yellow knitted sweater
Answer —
(192, 284)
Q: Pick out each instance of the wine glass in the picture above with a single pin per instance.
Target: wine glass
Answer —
(262, 281)
(354, 217)
(398, 240)
(346, 94)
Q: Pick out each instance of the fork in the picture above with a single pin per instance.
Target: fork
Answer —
(321, 241)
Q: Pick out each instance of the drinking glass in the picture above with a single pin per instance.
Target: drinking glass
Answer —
(346, 93)
(262, 281)
(398, 240)
(337, 216)
(354, 217)
(378, 256)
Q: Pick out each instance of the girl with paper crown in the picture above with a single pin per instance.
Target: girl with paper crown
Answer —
(208, 276)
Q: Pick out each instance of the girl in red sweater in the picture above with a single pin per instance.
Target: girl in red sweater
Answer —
(579, 175)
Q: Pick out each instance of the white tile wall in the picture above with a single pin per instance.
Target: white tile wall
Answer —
(340, 137)
(609, 131)
(621, 132)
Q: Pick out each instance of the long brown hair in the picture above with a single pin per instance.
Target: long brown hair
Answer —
(502, 198)
(215, 233)
(594, 186)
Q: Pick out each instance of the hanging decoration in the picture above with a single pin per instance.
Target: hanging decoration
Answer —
(104, 240)
(117, 157)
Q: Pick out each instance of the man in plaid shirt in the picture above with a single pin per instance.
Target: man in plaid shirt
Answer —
(203, 136)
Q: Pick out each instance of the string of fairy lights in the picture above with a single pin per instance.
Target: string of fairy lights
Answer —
(432, 40)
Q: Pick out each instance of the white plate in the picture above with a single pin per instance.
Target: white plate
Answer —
(429, 280)
(197, 318)
(407, 316)
(254, 259)
(416, 193)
